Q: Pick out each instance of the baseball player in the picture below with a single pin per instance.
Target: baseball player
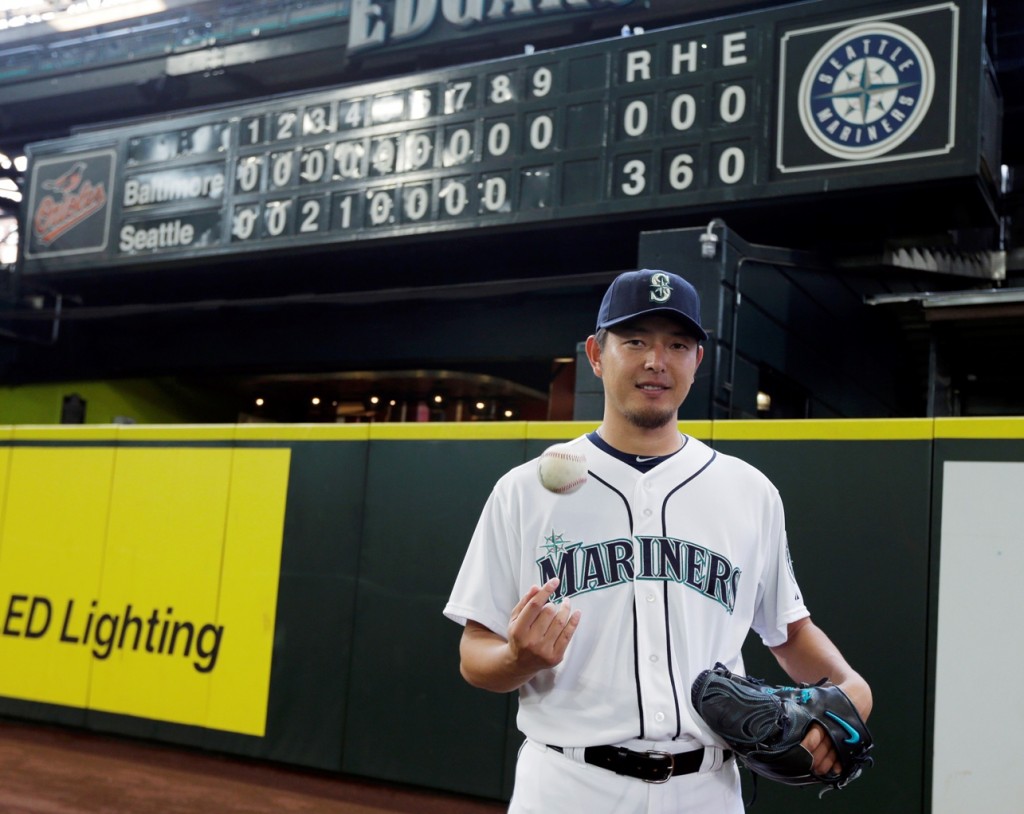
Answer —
(601, 606)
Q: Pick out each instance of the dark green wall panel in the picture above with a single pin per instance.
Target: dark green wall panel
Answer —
(316, 604)
(858, 520)
(50, 713)
(410, 716)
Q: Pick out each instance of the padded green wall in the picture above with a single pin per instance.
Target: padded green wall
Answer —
(365, 676)
(857, 516)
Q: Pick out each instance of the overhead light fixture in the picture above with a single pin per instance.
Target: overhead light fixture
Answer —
(709, 240)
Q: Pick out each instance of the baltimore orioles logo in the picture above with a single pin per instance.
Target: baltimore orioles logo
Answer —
(74, 199)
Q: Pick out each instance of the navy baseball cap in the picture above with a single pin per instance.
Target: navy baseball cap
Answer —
(649, 291)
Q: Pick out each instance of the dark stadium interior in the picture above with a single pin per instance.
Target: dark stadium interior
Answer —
(196, 55)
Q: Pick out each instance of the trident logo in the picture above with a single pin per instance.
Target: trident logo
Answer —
(660, 289)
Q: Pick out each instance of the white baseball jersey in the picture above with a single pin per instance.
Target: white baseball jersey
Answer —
(671, 568)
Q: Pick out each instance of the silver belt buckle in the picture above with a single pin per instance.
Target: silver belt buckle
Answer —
(670, 767)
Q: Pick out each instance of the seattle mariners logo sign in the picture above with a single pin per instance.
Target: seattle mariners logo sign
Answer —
(868, 91)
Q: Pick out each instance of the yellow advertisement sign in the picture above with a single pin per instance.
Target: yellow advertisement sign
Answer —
(142, 580)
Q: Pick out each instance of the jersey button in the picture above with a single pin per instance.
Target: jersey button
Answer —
(653, 658)
(651, 597)
(659, 717)
(648, 512)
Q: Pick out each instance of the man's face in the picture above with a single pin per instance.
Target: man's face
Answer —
(647, 366)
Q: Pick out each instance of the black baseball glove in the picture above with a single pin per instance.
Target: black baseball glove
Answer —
(764, 725)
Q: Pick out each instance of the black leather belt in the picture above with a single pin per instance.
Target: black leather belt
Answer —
(651, 767)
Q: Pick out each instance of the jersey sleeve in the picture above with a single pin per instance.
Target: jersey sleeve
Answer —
(781, 600)
(486, 589)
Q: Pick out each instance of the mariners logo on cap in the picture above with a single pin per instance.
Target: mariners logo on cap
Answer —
(660, 289)
(866, 90)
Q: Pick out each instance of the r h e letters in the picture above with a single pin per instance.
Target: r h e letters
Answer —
(686, 57)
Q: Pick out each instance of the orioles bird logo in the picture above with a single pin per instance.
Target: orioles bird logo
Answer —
(69, 181)
(73, 200)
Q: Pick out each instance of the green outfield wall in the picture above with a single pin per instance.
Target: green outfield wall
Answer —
(275, 591)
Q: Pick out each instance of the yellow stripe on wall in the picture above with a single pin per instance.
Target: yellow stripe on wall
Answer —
(870, 429)
(450, 431)
(979, 428)
(909, 429)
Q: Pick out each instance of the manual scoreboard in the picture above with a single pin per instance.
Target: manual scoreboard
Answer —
(701, 115)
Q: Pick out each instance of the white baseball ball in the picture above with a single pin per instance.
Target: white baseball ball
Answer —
(562, 470)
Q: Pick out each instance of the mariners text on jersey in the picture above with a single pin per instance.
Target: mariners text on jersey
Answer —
(584, 568)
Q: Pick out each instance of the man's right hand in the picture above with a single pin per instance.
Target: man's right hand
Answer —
(539, 632)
